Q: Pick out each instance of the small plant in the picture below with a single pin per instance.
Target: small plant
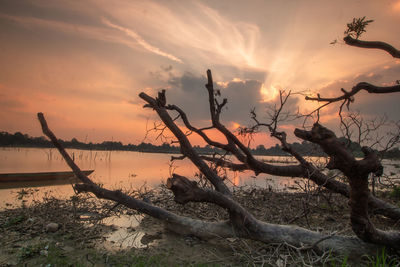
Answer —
(14, 221)
(395, 193)
(381, 260)
(357, 27)
(29, 251)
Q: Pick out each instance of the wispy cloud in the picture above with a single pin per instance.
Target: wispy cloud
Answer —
(92, 32)
(141, 41)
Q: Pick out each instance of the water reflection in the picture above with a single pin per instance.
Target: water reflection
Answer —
(115, 170)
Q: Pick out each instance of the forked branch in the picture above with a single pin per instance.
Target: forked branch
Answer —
(241, 222)
(349, 96)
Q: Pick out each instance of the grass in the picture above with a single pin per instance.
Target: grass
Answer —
(67, 248)
(14, 221)
(381, 260)
(29, 251)
(52, 255)
(395, 193)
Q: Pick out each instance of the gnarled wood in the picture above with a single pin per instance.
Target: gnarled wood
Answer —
(357, 172)
(241, 224)
(186, 147)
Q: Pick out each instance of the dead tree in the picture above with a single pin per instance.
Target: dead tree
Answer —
(356, 171)
(242, 223)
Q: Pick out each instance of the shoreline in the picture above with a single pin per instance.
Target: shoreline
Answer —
(83, 233)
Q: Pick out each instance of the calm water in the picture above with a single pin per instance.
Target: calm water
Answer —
(121, 169)
(115, 169)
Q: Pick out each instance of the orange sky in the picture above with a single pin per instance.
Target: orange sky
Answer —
(83, 63)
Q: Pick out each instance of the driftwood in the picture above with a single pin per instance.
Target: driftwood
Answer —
(241, 222)
(249, 162)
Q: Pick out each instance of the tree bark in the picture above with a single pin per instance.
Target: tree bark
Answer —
(186, 147)
(357, 172)
(372, 45)
(241, 223)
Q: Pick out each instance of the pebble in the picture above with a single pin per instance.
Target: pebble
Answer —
(52, 227)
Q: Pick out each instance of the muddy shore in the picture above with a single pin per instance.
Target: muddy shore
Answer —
(85, 231)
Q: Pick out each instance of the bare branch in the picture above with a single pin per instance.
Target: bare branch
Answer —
(79, 174)
(357, 172)
(241, 223)
(373, 45)
(347, 96)
(186, 147)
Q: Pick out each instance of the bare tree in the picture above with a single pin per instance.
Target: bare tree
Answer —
(241, 222)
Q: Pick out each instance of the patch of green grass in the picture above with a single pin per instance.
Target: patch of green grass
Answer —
(137, 260)
(395, 193)
(51, 255)
(14, 221)
(380, 260)
(343, 263)
(56, 257)
(30, 251)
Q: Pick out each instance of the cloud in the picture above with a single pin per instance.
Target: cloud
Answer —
(141, 41)
(91, 32)
(197, 32)
(369, 105)
(187, 90)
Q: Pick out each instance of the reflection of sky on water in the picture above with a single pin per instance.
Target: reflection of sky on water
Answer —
(116, 169)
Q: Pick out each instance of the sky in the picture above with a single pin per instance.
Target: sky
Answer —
(83, 63)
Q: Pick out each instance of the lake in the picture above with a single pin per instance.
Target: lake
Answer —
(127, 170)
(113, 169)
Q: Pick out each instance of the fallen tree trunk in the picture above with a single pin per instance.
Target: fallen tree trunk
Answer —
(375, 205)
(241, 223)
(248, 162)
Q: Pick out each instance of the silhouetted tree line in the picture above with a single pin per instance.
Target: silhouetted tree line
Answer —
(305, 148)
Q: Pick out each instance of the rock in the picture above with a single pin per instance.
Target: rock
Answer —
(52, 227)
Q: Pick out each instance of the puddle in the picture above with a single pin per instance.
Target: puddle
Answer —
(127, 233)
(124, 238)
(125, 221)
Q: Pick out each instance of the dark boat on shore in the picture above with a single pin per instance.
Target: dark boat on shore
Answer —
(38, 176)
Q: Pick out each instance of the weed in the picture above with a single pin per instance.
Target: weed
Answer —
(341, 264)
(381, 260)
(14, 221)
(395, 193)
(30, 251)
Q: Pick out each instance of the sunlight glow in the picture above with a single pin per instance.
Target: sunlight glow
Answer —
(235, 125)
(396, 6)
(269, 94)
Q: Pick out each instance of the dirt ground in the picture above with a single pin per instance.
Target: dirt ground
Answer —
(78, 231)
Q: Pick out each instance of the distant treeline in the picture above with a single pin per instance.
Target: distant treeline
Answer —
(305, 148)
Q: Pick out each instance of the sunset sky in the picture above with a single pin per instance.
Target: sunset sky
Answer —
(83, 63)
